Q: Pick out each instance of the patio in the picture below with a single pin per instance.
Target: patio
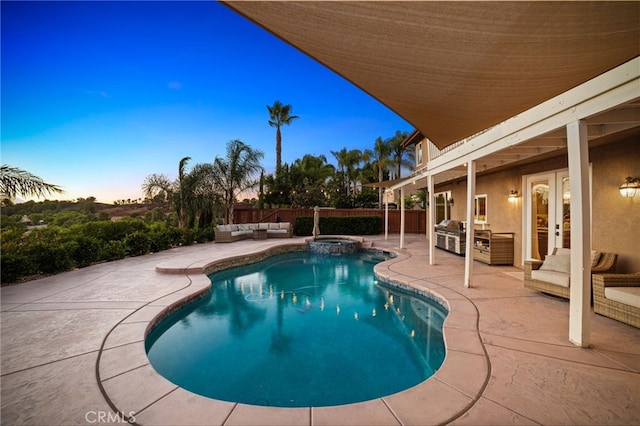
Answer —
(72, 344)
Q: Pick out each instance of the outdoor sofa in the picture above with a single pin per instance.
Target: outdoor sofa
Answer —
(552, 276)
(617, 296)
(235, 232)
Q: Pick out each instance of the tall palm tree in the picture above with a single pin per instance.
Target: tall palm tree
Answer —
(236, 173)
(402, 156)
(280, 115)
(380, 157)
(15, 182)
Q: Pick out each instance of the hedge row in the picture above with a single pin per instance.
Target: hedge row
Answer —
(55, 249)
(339, 225)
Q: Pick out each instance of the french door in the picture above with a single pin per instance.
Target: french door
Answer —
(547, 213)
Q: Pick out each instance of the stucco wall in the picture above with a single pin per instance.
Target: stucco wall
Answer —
(616, 220)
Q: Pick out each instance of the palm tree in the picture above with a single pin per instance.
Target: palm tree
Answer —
(279, 115)
(314, 168)
(402, 156)
(202, 195)
(236, 173)
(192, 195)
(380, 156)
(348, 161)
(173, 192)
(15, 181)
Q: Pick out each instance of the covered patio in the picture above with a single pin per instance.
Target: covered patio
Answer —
(73, 348)
(490, 81)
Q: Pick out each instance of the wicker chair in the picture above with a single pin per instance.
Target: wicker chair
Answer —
(606, 263)
(611, 308)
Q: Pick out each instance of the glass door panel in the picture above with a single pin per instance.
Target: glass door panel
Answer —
(548, 213)
(539, 214)
(563, 237)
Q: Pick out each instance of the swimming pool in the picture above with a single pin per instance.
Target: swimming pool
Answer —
(300, 330)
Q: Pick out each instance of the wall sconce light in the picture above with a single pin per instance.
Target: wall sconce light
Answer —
(513, 196)
(450, 201)
(630, 187)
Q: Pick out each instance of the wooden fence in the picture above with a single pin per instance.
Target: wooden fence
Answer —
(415, 221)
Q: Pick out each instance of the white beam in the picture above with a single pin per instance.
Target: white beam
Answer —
(402, 217)
(580, 289)
(471, 196)
(386, 216)
(430, 222)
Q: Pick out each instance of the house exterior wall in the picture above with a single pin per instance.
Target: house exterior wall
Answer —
(615, 220)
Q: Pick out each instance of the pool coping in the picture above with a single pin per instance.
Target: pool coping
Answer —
(133, 388)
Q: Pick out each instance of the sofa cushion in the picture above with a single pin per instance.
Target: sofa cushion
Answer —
(263, 226)
(552, 277)
(243, 227)
(627, 295)
(277, 231)
(557, 263)
(225, 227)
(274, 226)
(284, 225)
(595, 255)
(253, 226)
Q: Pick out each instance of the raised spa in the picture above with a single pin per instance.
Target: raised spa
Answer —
(333, 246)
(299, 330)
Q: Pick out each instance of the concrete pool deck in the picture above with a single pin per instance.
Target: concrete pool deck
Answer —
(72, 350)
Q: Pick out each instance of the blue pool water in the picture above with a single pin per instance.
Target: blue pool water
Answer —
(300, 330)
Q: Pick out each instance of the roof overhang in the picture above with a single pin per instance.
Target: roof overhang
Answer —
(609, 105)
(453, 69)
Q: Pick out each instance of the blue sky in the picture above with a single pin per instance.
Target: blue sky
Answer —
(98, 95)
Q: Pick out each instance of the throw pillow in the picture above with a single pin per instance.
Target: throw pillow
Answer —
(558, 263)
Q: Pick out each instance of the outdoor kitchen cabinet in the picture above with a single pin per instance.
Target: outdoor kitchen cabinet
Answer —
(451, 236)
(493, 248)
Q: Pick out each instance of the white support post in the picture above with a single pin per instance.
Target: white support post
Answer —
(431, 209)
(402, 217)
(471, 194)
(580, 289)
(386, 216)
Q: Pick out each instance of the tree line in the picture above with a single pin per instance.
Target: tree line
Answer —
(206, 193)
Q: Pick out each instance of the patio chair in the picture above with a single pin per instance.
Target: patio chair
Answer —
(617, 296)
(554, 280)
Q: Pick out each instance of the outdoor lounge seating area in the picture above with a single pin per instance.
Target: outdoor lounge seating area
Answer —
(617, 296)
(552, 276)
(236, 232)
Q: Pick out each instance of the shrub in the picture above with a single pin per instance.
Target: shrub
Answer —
(188, 237)
(137, 243)
(114, 250)
(160, 237)
(49, 257)
(15, 266)
(340, 225)
(303, 226)
(204, 234)
(86, 251)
